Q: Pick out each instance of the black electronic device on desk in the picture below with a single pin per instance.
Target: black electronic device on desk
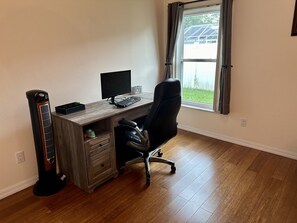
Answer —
(128, 101)
(70, 108)
(115, 83)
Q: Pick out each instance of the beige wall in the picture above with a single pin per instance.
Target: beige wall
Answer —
(264, 81)
(61, 46)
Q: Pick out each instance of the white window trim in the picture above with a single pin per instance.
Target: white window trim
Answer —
(178, 66)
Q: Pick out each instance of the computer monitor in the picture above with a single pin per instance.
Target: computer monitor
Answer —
(115, 83)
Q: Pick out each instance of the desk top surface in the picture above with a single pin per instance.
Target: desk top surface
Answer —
(103, 109)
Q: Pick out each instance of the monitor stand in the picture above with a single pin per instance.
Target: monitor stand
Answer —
(112, 100)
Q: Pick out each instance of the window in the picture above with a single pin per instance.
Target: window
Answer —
(198, 56)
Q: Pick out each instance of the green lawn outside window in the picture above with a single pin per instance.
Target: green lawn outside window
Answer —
(198, 95)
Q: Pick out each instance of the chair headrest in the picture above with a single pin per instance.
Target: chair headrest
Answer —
(167, 89)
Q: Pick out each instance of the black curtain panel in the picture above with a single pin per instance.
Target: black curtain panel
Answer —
(225, 79)
(175, 14)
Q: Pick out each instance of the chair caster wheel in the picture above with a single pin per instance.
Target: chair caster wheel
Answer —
(160, 154)
(148, 179)
(173, 169)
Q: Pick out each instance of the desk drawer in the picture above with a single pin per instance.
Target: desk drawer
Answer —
(99, 165)
(96, 150)
(98, 154)
(96, 146)
(100, 140)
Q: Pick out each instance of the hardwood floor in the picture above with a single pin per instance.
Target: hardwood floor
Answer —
(215, 181)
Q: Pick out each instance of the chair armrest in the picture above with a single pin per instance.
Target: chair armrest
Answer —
(143, 135)
(128, 123)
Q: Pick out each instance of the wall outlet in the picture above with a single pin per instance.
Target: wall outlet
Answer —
(243, 122)
(20, 157)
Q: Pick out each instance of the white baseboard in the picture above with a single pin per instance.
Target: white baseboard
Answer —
(17, 187)
(241, 142)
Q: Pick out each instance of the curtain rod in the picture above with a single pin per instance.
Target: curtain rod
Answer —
(185, 3)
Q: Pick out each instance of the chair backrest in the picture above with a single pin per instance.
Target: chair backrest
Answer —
(161, 121)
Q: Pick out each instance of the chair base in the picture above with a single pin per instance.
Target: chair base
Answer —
(148, 157)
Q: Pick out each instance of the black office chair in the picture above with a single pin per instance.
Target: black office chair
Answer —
(159, 126)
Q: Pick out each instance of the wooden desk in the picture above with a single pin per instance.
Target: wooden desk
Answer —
(90, 162)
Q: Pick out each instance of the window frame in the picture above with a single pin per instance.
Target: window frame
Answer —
(179, 60)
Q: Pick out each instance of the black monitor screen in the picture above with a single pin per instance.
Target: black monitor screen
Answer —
(115, 83)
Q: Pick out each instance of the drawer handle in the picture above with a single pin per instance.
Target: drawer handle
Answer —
(102, 165)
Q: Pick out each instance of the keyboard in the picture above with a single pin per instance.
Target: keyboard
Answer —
(128, 101)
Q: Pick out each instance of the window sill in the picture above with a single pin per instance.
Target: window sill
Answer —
(198, 108)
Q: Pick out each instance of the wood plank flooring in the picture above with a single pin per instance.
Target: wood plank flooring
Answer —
(215, 181)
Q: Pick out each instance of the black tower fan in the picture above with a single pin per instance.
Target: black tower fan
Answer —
(48, 183)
